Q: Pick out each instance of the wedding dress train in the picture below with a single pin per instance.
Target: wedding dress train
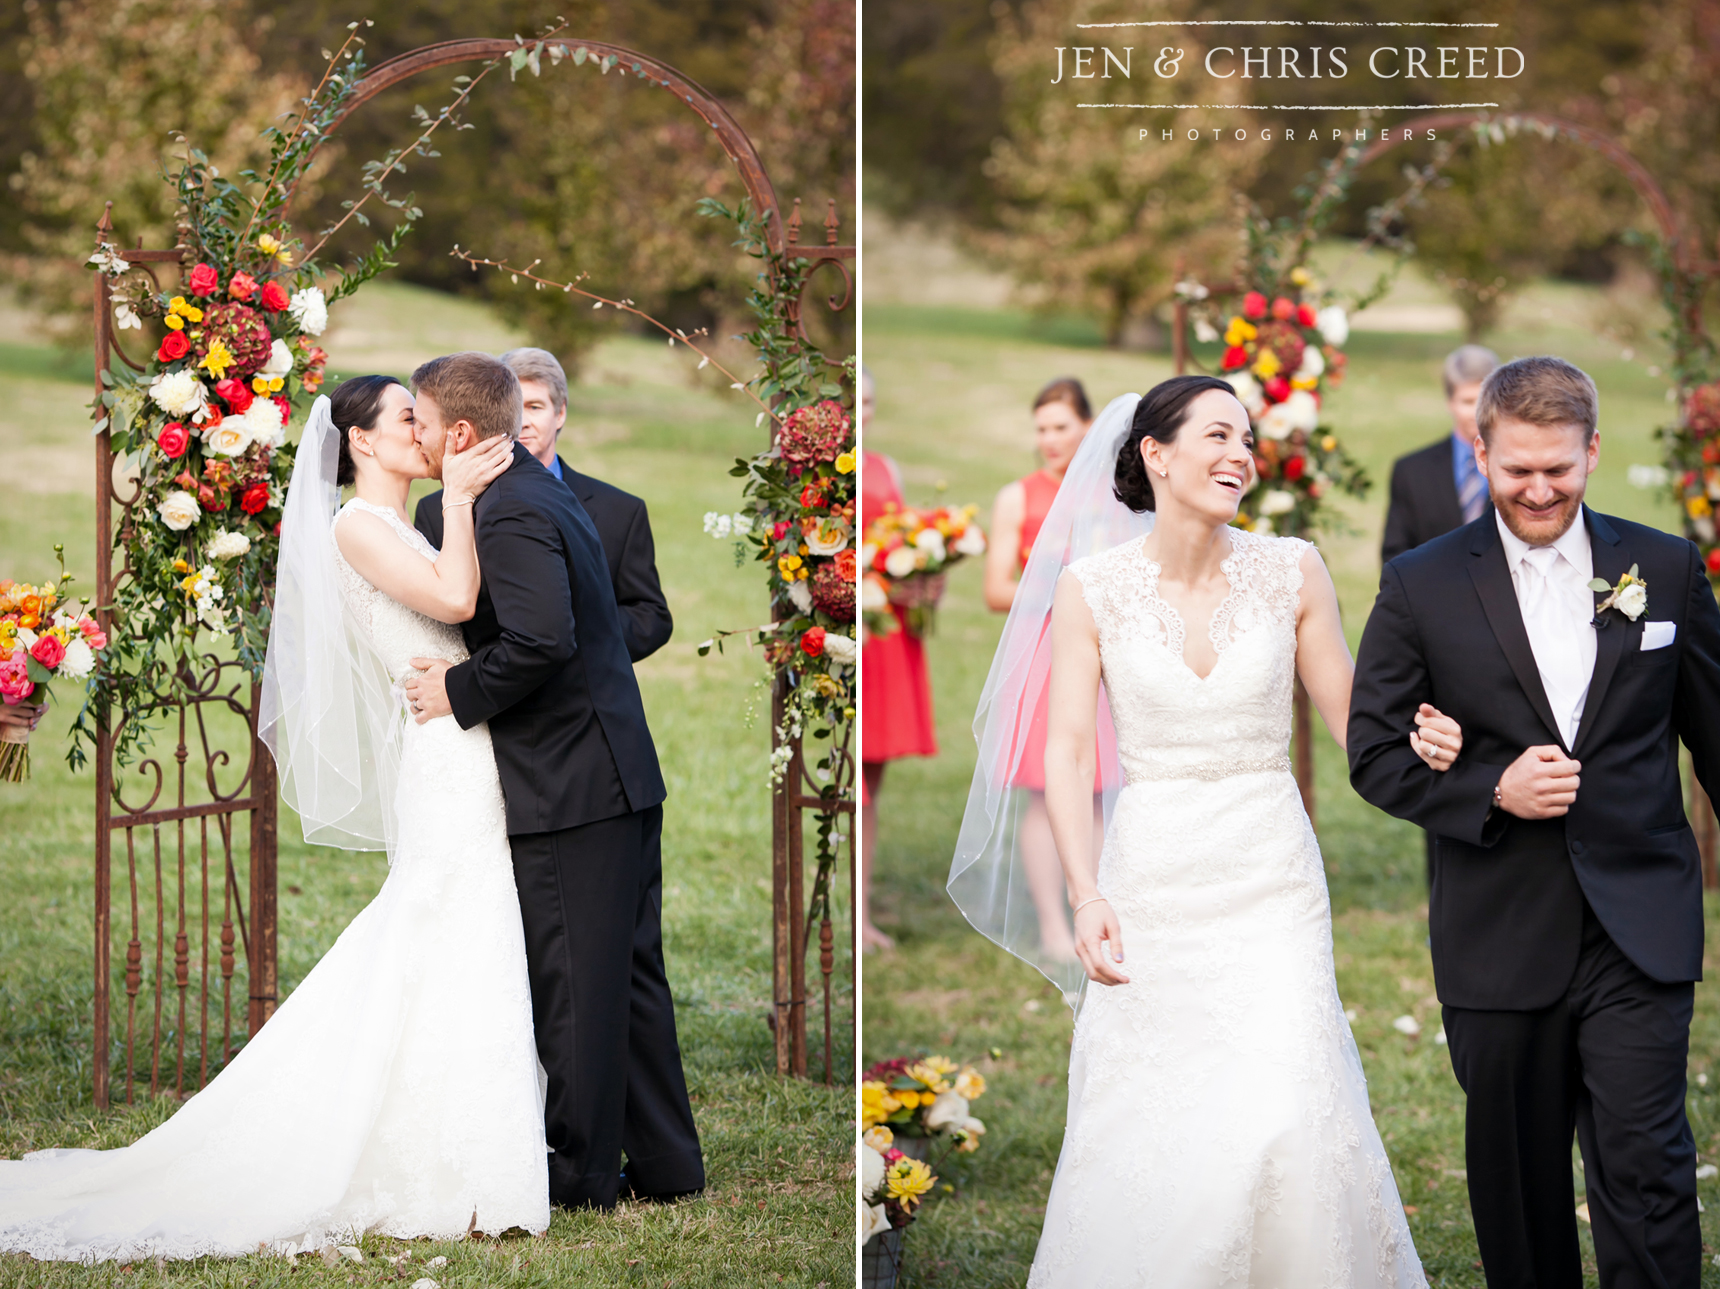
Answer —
(395, 1090)
(1219, 1131)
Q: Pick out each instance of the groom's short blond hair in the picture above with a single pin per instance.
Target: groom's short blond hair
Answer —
(475, 388)
(1539, 391)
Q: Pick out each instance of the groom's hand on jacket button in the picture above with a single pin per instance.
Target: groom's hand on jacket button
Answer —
(1540, 784)
(428, 693)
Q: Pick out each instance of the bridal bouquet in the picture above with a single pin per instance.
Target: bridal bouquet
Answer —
(927, 1098)
(1695, 443)
(42, 638)
(906, 553)
(1281, 355)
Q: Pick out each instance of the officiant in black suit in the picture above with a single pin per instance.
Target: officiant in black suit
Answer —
(1438, 488)
(550, 672)
(1565, 915)
(622, 523)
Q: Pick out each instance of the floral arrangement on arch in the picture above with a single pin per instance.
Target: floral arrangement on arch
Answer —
(1694, 449)
(1282, 354)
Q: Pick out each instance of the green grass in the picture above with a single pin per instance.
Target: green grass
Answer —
(779, 1207)
(954, 386)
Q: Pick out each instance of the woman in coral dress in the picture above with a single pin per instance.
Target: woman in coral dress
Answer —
(895, 691)
(1061, 417)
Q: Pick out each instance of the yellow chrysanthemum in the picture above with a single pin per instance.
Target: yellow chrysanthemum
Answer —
(942, 1064)
(908, 1180)
(876, 1103)
(218, 359)
(845, 463)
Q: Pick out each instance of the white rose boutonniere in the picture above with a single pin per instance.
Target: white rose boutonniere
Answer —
(1629, 597)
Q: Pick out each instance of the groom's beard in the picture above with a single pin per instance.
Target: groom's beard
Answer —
(1538, 526)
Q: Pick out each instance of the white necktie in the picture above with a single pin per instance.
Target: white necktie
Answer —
(1555, 636)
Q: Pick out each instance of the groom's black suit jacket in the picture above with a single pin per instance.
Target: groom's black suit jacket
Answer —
(1505, 913)
(549, 668)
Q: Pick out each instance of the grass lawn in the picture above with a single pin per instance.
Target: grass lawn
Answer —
(779, 1208)
(954, 386)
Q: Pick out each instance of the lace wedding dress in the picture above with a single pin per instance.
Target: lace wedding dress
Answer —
(395, 1090)
(1219, 1130)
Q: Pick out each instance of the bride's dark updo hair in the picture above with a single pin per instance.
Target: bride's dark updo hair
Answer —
(355, 402)
(1159, 415)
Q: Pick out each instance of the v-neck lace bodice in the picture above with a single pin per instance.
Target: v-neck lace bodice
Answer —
(1171, 721)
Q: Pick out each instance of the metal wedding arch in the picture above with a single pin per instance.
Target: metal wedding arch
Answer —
(1687, 258)
(175, 824)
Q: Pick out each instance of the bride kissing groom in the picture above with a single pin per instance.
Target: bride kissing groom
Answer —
(494, 1031)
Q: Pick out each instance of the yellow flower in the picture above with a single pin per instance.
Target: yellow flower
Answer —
(1328, 444)
(272, 246)
(908, 1180)
(1267, 364)
(941, 1064)
(845, 463)
(879, 1138)
(192, 313)
(180, 566)
(177, 304)
(876, 1103)
(1305, 382)
(1239, 331)
(1698, 508)
(260, 384)
(1300, 276)
(275, 384)
(218, 359)
(174, 322)
(787, 564)
(970, 1084)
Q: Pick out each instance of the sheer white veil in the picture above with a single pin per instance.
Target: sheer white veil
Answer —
(987, 879)
(329, 713)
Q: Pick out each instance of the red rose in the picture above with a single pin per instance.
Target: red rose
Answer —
(1305, 315)
(1277, 389)
(49, 651)
(1714, 561)
(174, 346)
(811, 497)
(1711, 454)
(242, 287)
(204, 280)
(274, 297)
(812, 643)
(286, 406)
(1234, 357)
(779, 530)
(1254, 305)
(1282, 309)
(256, 499)
(1294, 468)
(236, 392)
(173, 440)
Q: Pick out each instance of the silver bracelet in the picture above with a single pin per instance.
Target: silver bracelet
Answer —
(1084, 903)
(455, 505)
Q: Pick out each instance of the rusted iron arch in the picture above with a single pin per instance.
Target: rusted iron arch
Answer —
(733, 139)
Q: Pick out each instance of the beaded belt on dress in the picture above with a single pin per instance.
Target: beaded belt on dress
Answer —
(1210, 771)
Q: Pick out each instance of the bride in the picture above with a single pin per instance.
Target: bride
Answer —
(1219, 1131)
(396, 1089)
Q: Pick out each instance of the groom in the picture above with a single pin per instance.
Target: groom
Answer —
(1565, 914)
(550, 673)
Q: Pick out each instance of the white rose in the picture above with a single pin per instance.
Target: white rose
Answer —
(827, 537)
(1313, 362)
(1248, 392)
(971, 542)
(800, 595)
(873, 597)
(947, 1111)
(901, 561)
(309, 310)
(178, 393)
(179, 510)
(873, 1221)
(231, 437)
(1333, 324)
(80, 659)
(1276, 422)
(1304, 412)
(839, 649)
(263, 422)
(1277, 501)
(871, 1170)
(27, 638)
(931, 541)
(280, 361)
(226, 545)
(1632, 600)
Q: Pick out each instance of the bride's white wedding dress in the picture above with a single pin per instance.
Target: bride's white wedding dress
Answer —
(1219, 1130)
(395, 1090)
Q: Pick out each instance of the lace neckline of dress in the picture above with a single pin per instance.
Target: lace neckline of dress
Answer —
(1218, 625)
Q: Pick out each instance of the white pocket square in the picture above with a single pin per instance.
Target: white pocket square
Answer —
(1657, 635)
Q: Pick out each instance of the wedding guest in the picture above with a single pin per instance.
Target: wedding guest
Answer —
(622, 524)
(896, 704)
(1061, 418)
(1438, 488)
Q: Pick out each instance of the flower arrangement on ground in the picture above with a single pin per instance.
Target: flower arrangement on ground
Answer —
(1281, 355)
(42, 638)
(905, 554)
(930, 1097)
(892, 1184)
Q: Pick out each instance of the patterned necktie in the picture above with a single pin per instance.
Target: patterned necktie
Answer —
(1473, 495)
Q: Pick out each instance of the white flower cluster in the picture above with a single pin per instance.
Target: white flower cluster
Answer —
(280, 361)
(178, 393)
(125, 317)
(178, 510)
(719, 525)
(310, 310)
(839, 649)
(205, 592)
(1333, 324)
(110, 260)
(226, 545)
(262, 422)
(1298, 412)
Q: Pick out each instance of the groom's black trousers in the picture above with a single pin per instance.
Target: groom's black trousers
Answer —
(591, 899)
(1607, 1060)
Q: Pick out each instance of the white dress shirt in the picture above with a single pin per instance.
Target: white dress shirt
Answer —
(1552, 584)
